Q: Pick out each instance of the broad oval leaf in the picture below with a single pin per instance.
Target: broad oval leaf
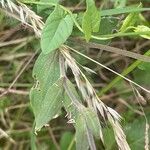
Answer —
(50, 106)
(46, 70)
(45, 95)
(56, 31)
(91, 19)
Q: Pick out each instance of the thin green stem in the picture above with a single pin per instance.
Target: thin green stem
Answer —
(111, 70)
(124, 73)
(102, 37)
(71, 143)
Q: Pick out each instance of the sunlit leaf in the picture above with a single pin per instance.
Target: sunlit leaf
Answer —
(130, 20)
(142, 28)
(57, 29)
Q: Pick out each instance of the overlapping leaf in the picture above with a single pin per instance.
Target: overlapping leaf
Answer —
(57, 29)
(87, 126)
(91, 19)
(46, 94)
(129, 21)
(81, 135)
(142, 28)
(93, 122)
(43, 7)
(68, 102)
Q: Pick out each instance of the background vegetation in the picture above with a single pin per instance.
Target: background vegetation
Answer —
(19, 48)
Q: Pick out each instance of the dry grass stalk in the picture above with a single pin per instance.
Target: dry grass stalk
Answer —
(147, 146)
(141, 101)
(93, 102)
(4, 134)
(24, 14)
(29, 18)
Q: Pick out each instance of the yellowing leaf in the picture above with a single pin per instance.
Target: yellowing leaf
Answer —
(58, 28)
(130, 20)
(142, 28)
(91, 19)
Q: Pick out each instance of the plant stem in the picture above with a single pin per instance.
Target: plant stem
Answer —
(124, 73)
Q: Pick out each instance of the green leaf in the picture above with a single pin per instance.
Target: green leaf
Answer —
(109, 139)
(87, 125)
(56, 31)
(43, 7)
(81, 135)
(135, 132)
(93, 126)
(33, 139)
(142, 75)
(92, 122)
(45, 94)
(130, 20)
(91, 19)
(107, 26)
(65, 140)
(67, 102)
(120, 3)
(144, 66)
(50, 105)
(46, 70)
(117, 11)
(142, 28)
